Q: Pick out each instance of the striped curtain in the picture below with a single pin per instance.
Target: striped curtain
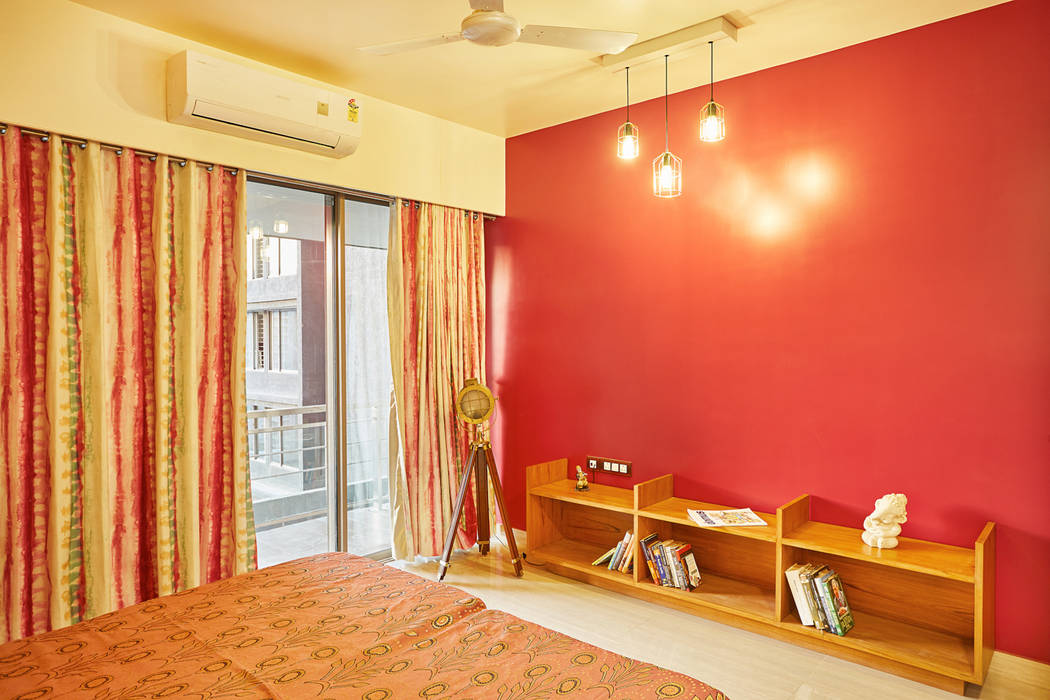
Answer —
(436, 299)
(123, 450)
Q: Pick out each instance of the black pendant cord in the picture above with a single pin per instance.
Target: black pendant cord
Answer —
(667, 128)
(628, 93)
(712, 45)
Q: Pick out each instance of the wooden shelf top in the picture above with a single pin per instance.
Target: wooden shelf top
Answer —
(599, 495)
(673, 510)
(943, 560)
(932, 650)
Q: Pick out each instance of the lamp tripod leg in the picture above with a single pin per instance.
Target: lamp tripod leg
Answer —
(497, 490)
(450, 537)
(481, 495)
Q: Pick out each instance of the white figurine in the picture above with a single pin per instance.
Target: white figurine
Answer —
(884, 524)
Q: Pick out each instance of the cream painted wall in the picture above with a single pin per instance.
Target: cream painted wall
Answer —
(77, 71)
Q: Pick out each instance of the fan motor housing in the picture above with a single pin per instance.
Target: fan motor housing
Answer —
(490, 28)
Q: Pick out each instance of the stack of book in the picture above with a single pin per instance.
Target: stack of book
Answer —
(671, 563)
(820, 598)
(621, 557)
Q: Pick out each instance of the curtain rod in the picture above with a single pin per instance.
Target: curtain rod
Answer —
(44, 136)
(486, 217)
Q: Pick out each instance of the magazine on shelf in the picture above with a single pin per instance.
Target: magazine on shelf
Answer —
(725, 518)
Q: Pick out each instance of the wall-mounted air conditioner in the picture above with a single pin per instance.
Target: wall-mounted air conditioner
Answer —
(219, 95)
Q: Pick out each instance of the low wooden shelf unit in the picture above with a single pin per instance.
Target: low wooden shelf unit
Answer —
(924, 610)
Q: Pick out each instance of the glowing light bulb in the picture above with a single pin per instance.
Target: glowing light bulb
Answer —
(627, 141)
(628, 147)
(712, 122)
(666, 177)
(280, 226)
(709, 130)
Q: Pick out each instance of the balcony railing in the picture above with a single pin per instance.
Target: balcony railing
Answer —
(289, 468)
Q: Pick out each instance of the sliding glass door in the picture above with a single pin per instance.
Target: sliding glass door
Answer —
(369, 381)
(317, 372)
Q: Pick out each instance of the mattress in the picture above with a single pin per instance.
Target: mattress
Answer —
(328, 626)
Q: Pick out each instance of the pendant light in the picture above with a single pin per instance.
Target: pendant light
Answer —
(713, 115)
(667, 168)
(627, 137)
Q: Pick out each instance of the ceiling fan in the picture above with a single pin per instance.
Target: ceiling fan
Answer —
(489, 25)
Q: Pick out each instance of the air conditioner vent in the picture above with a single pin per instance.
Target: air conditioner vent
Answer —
(245, 120)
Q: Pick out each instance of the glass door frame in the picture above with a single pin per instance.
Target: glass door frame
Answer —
(335, 236)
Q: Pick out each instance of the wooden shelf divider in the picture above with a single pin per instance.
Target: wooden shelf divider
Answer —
(924, 610)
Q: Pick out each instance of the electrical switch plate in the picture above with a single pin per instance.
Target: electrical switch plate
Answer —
(609, 466)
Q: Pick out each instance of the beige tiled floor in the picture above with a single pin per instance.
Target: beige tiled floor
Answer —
(741, 664)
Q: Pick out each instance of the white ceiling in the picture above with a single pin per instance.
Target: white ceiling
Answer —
(518, 88)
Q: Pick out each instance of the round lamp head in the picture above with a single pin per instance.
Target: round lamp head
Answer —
(475, 402)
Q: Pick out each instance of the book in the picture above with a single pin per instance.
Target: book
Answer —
(801, 605)
(824, 596)
(668, 547)
(604, 558)
(806, 582)
(835, 593)
(692, 569)
(661, 565)
(646, 543)
(683, 576)
(726, 518)
(627, 560)
(621, 550)
(616, 553)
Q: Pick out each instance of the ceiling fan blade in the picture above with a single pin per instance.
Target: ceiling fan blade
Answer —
(593, 40)
(496, 5)
(410, 45)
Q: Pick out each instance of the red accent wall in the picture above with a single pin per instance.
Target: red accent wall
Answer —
(852, 296)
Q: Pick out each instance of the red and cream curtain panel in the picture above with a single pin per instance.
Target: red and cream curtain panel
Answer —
(123, 451)
(436, 299)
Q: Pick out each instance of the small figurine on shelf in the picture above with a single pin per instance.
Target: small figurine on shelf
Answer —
(884, 524)
(581, 479)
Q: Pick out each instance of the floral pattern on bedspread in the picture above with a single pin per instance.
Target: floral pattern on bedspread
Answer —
(493, 655)
(294, 630)
(330, 626)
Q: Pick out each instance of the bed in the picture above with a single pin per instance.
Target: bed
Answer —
(327, 626)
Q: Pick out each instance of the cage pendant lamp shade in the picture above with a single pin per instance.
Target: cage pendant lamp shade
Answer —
(667, 175)
(627, 141)
(712, 122)
(627, 136)
(667, 167)
(713, 115)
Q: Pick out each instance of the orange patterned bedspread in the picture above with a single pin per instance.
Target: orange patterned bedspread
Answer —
(329, 626)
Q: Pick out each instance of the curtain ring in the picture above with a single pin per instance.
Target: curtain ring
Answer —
(44, 138)
(153, 158)
(3, 130)
(120, 151)
(210, 168)
(182, 164)
(82, 145)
